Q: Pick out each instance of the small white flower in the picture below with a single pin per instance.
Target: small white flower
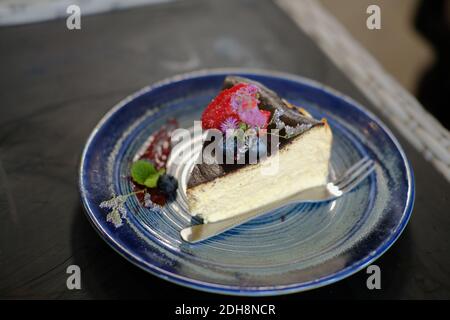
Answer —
(276, 119)
(122, 211)
(149, 204)
(115, 218)
(289, 130)
(299, 128)
(148, 200)
(116, 205)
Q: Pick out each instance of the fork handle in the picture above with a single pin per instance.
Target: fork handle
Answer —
(200, 232)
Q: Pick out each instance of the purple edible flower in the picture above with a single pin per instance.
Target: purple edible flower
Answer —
(230, 123)
(244, 98)
(253, 117)
(245, 104)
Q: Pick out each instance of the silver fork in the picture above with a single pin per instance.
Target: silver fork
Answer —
(332, 190)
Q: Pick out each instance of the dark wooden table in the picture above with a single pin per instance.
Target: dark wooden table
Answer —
(56, 84)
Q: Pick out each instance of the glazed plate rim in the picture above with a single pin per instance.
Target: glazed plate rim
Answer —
(236, 290)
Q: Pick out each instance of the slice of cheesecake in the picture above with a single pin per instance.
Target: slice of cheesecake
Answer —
(218, 191)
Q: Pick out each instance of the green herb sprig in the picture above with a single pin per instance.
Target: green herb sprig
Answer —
(144, 173)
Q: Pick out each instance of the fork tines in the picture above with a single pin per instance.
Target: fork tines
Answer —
(355, 174)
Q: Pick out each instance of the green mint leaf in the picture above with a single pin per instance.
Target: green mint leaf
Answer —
(243, 126)
(152, 181)
(141, 170)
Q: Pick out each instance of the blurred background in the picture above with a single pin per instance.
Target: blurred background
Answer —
(412, 45)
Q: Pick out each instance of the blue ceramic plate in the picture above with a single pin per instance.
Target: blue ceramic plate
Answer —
(296, 248)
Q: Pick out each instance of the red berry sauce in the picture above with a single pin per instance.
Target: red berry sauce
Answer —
(157, 152)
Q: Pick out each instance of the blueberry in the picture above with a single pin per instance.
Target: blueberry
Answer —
(168, 185)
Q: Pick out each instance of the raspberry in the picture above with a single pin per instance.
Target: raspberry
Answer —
(220, 109)
(235, 104)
